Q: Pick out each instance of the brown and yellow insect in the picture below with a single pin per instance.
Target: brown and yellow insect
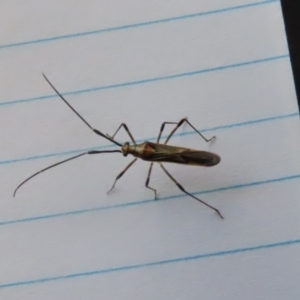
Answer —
(153, 152)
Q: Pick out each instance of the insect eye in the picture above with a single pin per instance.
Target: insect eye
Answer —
(125, 148)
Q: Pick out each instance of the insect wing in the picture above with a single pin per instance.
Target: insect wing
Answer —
(202, 158)
(166, 153)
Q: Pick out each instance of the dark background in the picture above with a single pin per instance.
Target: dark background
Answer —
(291, 14)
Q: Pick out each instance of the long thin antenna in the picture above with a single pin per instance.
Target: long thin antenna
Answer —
(95, 130)
(61, 162)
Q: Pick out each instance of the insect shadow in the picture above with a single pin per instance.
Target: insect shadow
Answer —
(152, 152)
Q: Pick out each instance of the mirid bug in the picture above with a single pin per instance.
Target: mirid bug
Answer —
(152, 152)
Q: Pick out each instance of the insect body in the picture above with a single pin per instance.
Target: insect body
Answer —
(164, 153)
(153, 152)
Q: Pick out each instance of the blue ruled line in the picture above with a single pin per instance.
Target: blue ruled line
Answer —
(228, 126)
(147, 201)
(150, 264)
(148, 80)
(135, 25)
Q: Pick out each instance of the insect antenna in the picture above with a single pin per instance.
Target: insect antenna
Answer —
(61, 162)
(95, 130)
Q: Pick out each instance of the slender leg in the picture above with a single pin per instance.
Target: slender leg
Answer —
(162, 129)
(182, 189)
(64, 161)
(122, 173)
(148, 179)
(179, 124)
(127, 130)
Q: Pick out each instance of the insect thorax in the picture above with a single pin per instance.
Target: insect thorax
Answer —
(144, 151)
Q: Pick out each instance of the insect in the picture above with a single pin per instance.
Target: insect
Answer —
(152, 152)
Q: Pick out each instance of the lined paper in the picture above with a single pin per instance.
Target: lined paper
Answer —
(223, 64)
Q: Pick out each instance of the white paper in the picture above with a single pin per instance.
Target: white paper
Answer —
(225, 65)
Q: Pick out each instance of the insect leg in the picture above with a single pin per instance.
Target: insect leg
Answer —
(179, 124)
(64, 161)
(122, 173)
(127, 130)
(162, 129)
(86, 123)
(148, 179)
(182, 189)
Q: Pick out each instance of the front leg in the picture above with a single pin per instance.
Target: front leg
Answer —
(121, 174)
(127, 130)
